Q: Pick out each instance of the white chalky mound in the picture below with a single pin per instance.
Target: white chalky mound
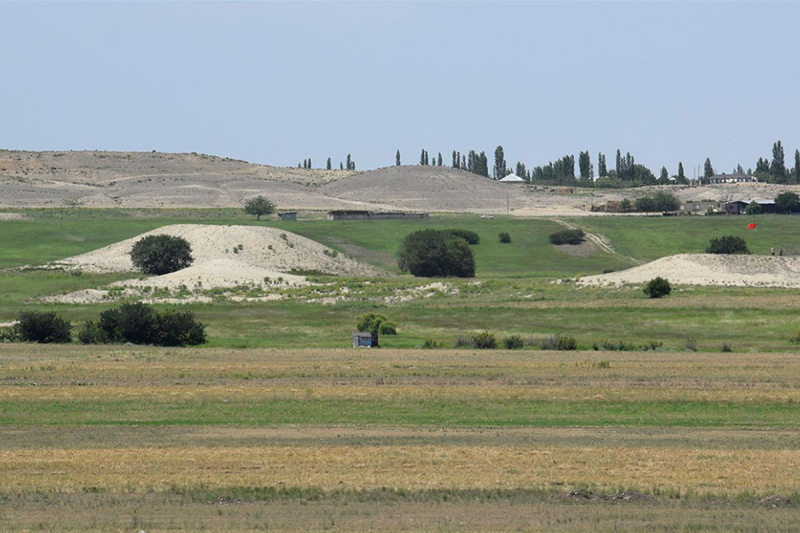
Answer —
(709, 269)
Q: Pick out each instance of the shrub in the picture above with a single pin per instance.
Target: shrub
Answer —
(370, 322)
(660, 201)
(139, 323)
(178, 328)
(559, 342)
(504, 237)
(430, 344)
(691, 344)
(161, 254)
(259, 206)
(657, 287)
(513, 342)
(725, 347)
(470, 236)
(568, 236)
(432, 253)
(729, 244)
(787, 202)
(387, 328)
(462, 342)
(41, 327)
(484, 341)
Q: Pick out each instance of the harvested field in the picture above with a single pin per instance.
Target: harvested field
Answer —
(262, 435)
(709, 269)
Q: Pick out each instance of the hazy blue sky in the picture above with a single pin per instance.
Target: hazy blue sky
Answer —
(278, 82)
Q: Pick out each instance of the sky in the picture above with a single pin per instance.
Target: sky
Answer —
(276, 83)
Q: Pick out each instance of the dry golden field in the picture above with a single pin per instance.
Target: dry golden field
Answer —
(130, 438)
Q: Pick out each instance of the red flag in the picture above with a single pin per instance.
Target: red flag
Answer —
(751, 226)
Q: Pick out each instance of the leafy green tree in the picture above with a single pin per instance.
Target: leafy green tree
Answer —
(139, 323)
(646, 204)
(708, 170)
(729, 244)
(681, 176)
(753, 209)
(778, 166)
(161, 254)
(42, 327)
(397, 158)
(797, 166)
(499, 171)
(657, 287)
(504, 237)
(787, 202)
(585, 166)
(664, 178)
(350, 163)
(328, 166)
(433, 253)
(259, 206)
(602, 170)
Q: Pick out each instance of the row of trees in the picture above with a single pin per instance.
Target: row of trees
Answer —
(626, 172)
(350, 165)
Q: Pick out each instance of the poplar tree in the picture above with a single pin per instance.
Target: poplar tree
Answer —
(328, 165)
(499, 163)
(439, 161)
(585, 166)
(664, 179)
(708, 170)
(681, 175)
(455, 159)
(797, 165)
(397, 158)
(778, 166)
(602, 170)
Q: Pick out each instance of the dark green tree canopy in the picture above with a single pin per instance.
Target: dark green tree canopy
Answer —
(730, 244)
(259, 206)
(434, 253)
(161, 254)
(787, 202)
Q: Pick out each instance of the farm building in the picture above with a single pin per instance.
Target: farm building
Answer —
(366, 339)
(740, 206)
(699, 207)
(512, 178)
(732, 178)
(291, 215)
(369, 215)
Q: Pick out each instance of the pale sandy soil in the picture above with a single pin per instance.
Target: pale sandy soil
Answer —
(224, 257)
(155, 179)
(709, 269)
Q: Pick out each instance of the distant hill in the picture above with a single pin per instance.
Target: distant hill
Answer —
(156, 179)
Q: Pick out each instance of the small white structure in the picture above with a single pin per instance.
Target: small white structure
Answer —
(512, 178)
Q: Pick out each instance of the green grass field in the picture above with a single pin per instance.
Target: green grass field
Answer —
(514, 292)
(276, 424)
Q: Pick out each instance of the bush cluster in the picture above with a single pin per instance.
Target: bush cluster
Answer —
(729, 244)
(470, 236)
(375, 323)
(434, 253)
(660, 201)
(568, 236)
(139, 323)
(559, 342)
(504, 237)
(41, 327)
(484, 341)
(619, 346)
(657, 287)
(161, 254)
